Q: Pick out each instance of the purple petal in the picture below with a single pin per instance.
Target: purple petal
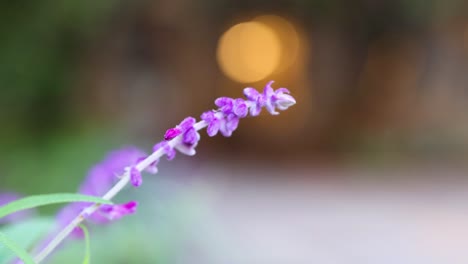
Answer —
(225, 104)
(191, 136)
(168, 150)
(102, 176)
(98, 181)
(232, 123)
(115, 212)
(187, 123)
(251, 94)
(240, 108)
(257, 107)
(228, 125)
(213, 128)
(170, 153)
(277, 99)
(140, 159)
(208, 116)
(268, 90)
(67, 214)
(282, 90)
(270, 107)
(135, 177)
(172, 133)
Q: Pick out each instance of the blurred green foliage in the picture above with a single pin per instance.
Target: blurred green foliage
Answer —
(25, 234)
(56, 165)
(40, 44)
(43, 147)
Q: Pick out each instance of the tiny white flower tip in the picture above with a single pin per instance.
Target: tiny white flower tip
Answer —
(185, 149)
(285, 101)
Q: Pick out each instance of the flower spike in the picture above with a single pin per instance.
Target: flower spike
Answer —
(129, 163)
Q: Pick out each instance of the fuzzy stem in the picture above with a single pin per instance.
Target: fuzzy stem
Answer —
(124, 179)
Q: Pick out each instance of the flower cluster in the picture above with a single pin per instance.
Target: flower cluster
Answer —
(226, 118)
(130, 161)
(187, 142)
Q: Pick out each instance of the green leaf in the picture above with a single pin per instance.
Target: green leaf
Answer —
(46, 199)
(19, 251)
(25, 233)
(87, 247)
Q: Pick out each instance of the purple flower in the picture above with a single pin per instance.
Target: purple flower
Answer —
(282, 99)
(7, 197)
(256, 100)
(187, 123)
(180, 128)
(277, 99)
(115, 212)
(228, 124)
(152, 168)
(217, 121)
(226, 118)
(270, 99)
(99, 180)
(168, 150)
(189, 142)
(102, 176)
(135, 177)
(190, 137)
(66, 215)
(225, 104)
(172, 133)
(213, 122)
(105, 214)
(184, 137)
(240, 108)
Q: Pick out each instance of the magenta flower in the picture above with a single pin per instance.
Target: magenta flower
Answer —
(172, 133)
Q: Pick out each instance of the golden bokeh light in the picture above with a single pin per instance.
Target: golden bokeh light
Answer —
(249, 52)
(288, 36)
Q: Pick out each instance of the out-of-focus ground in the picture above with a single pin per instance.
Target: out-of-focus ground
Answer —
(350, 215)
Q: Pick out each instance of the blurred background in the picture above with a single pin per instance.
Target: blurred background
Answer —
(368, 167)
